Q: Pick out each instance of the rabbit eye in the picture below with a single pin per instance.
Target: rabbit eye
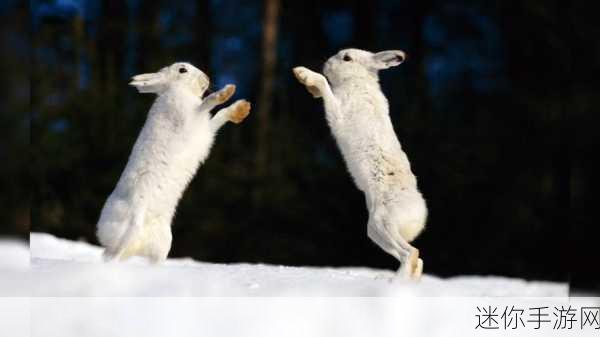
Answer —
(347, 58)
(182, 70)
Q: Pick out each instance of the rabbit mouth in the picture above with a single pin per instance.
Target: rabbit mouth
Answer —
(201, 86)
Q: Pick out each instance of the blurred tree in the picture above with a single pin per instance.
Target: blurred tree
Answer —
(15, 179)
(148, 25)
(265, 97)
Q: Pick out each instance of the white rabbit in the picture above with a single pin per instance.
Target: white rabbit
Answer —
(358, 114)
(175, 140)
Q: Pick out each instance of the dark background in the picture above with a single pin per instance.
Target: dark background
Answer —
(496, 108)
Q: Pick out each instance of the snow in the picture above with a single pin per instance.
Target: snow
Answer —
(14, 264)
(68, 291)
(71, 268)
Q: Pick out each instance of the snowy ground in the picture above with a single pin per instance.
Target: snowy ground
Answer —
(66, 290)
(75, 269)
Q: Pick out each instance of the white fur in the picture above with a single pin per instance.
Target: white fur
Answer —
(175, 140)
(358, 114)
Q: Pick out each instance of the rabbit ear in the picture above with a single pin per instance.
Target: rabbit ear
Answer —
(149, 83)
(388, 58)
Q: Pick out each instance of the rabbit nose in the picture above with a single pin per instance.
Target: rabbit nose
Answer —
(400, 57)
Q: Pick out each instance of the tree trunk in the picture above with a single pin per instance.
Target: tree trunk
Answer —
(269, 58)
(422, 10)
(202, 36)
(112, 43)
(149, 39)
(111, 59)
(364, 32)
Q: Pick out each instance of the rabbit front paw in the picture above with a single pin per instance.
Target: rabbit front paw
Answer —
(224, 94)
(239, 111)
(313, 81)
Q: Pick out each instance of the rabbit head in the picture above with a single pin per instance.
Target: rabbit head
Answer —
(177, 75)
(360, 64)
